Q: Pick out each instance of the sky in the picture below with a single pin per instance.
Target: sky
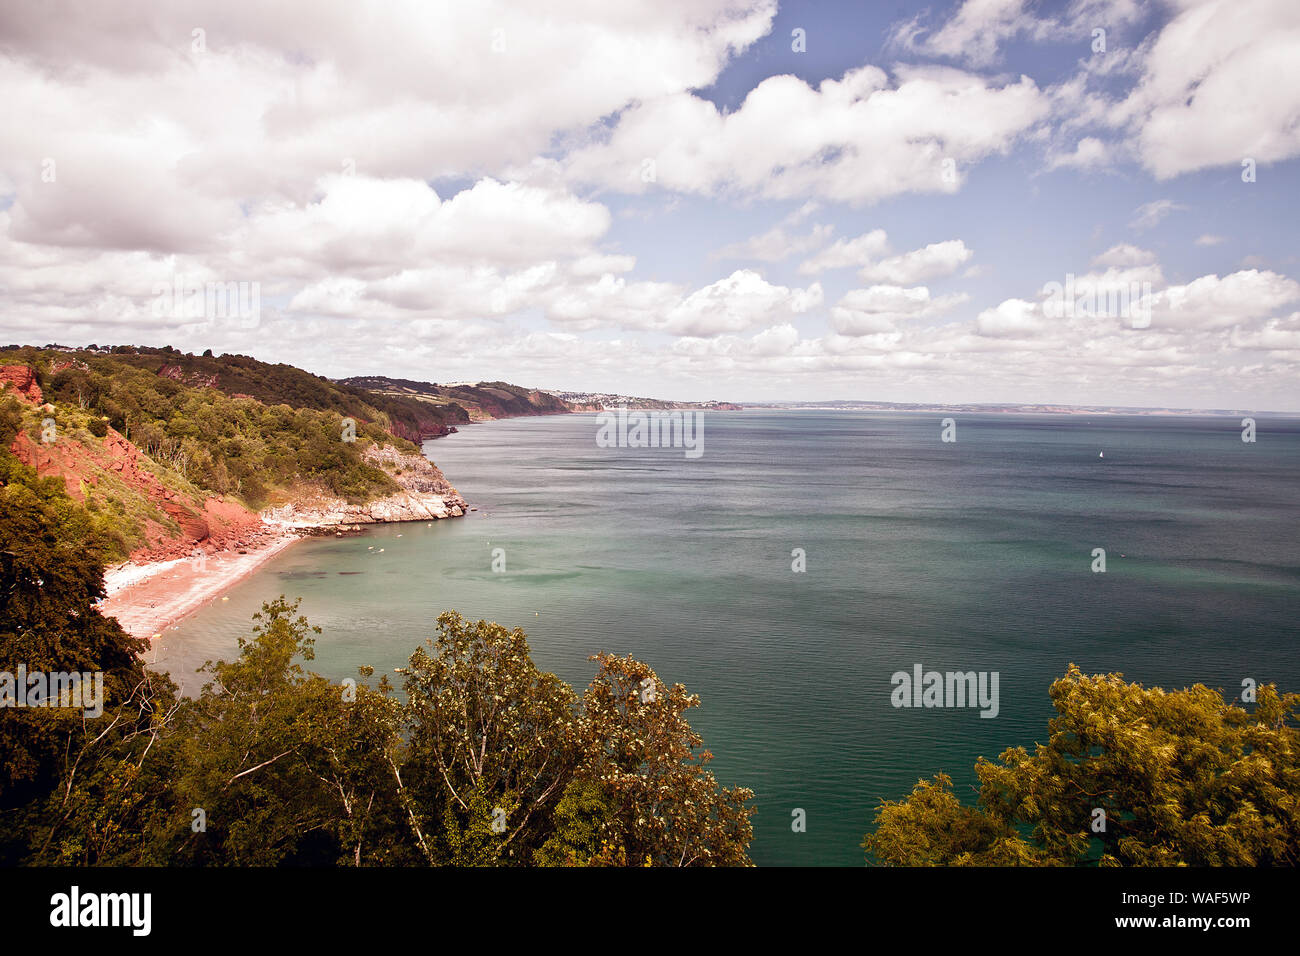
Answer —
(1079, 202)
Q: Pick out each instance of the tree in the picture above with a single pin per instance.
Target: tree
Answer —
(1130, 776)
(51, 578)
(666, 808)
(286, 766)
(490, 761)
(492, 744)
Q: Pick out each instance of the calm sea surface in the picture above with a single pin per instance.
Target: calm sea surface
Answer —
(973, 555)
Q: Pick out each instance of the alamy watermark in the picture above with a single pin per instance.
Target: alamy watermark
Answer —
(84, 691)
(620, 428)
(188, 298)
(74, 908)
(1119, 300)
(922, 688)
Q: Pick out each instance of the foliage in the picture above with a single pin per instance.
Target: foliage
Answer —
(492, 740)
(51, 577)
(1182, 777)
(489, 762)
(667, 809)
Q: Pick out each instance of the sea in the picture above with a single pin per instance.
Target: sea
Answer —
(790, 574)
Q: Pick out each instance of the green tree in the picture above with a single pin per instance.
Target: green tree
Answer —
(287, 767)
(1130, 776)
(667, 809)
(492, 744)
(51, 578)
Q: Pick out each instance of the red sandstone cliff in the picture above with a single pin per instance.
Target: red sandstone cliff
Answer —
(20, 380)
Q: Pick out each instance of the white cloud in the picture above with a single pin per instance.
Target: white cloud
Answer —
(857, 139)
(1124, 254)
(1210, 93)
(1276, 335)
(880, 307)
(776, 244)
(1012, 318)
(866, 251)
(741, 301)
(360, 222)
(847, 252)
(1089, 153)
(160, 147)
(974, 33)
(1211, 302)
(979, 28)
(933, 261)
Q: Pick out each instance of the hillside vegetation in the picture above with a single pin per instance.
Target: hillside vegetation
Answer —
(483, 402)
(253, 433)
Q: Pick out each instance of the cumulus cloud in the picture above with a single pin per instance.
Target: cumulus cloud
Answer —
(159, 140)
(1011, 318)
(880, 307)
(867, 252)
(857, 139)
(1203, 92)
(847, 252)
(931, 262)
(1089, 153)
(1211, 302)
(1209, 93)
(741, 301)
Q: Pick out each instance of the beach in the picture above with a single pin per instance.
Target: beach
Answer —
(149, 597)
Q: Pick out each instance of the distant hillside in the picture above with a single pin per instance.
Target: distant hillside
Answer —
(488, 400)
(483, 401)
(599, 400)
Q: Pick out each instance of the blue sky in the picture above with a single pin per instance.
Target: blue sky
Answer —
(668, 199)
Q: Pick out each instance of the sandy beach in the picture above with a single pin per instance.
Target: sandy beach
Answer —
(149, 597)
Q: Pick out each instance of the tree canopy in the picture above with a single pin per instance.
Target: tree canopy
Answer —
(1129, 776)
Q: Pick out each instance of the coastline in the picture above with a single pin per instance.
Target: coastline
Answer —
(149, 597)
(150, 593)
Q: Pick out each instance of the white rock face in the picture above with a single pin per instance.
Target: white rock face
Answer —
(426, 495)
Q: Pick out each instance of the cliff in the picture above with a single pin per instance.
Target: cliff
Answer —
(426, 495)
(19, 380)
(207, 464)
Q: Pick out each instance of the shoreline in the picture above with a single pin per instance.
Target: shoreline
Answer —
(147, 598)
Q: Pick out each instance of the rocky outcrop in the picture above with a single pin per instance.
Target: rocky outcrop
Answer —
(426, 495)
(21, 381)
(58, 365)
(421, 430)
(193, 379)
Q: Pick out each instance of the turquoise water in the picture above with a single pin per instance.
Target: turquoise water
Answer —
(973, 555)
